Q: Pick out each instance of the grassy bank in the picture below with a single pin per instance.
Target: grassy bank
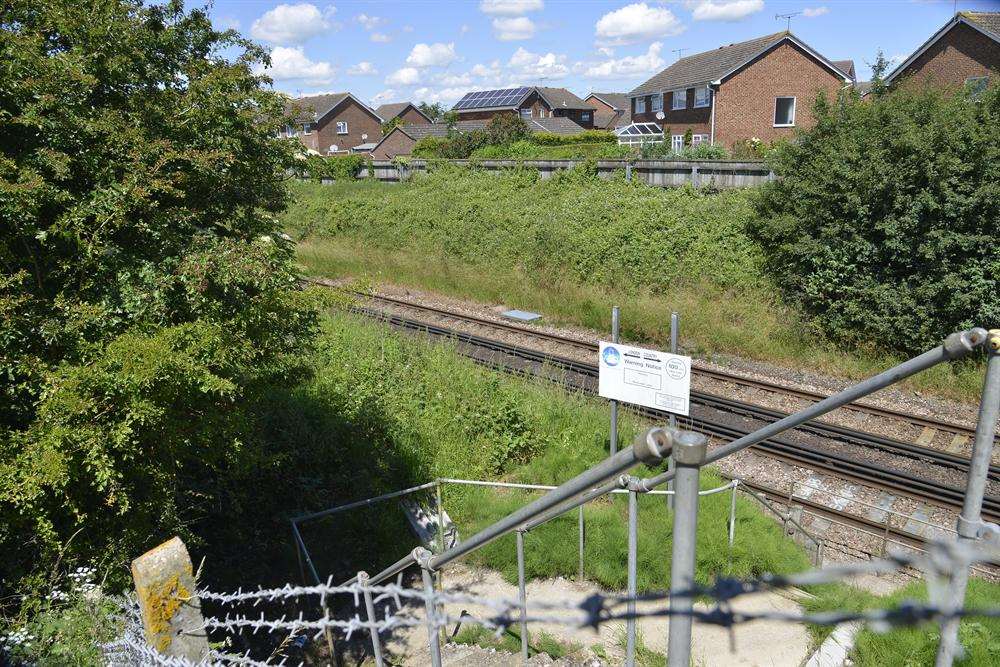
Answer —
(571, 248)
(421, 411)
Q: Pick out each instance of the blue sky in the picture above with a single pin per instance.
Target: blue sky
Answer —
(436, 51)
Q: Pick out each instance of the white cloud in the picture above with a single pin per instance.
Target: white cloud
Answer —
(635, 23)
(446, 96)
(452, 80)
(383, 97)
(512, 29)
(432, 55)
(714, 10)
(369, 22)
(606, 51)
(486, 71)
(647, 63)
(812, 12)
(380, 38)
(464, 29)
(290, 24)
(407, 28)
(535, 66)
(292, 64)
(363, 68)
(405, 76)
(510, 7)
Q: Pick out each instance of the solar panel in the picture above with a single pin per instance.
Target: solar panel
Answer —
(485, 99)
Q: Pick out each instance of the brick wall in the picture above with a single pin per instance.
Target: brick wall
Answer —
(576, 115)
(599, 104)
(745, 102)
(397, 143)
(359, 122)
(413, 117)
(962, 52)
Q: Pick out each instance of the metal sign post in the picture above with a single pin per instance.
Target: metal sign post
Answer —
(675, 326)
(614, 404)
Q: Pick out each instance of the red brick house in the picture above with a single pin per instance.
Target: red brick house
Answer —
(528, 102)
(761, 88)
(407, 111)
(611, 110)
(965, 51)
(334, 123)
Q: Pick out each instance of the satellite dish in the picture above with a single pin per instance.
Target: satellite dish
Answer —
(659, 115)
(364, 137)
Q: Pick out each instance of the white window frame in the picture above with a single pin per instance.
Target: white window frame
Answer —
(585, 115)
(640, 105)
(775, 116)
(524, 113)
(290, 131)
(679, 95)
(973, 84)
(698, 139)
(341, 124)
(704, 102)
(656, 103)
(677, 143)
(307, 128)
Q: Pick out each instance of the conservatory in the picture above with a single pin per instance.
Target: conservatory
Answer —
(638, 134)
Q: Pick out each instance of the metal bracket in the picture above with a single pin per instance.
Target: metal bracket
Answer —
(976, 530)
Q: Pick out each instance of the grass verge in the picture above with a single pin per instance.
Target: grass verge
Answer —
(572, 260)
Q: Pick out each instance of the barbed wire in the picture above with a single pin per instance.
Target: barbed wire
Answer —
(938, 563)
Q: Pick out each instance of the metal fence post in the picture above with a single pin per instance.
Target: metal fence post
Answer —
(628, 171)
(633, 543)
(613, 436)
(675, 326)
(971, 526)
(422, 556)
(732, 514)
(581, 526)
(689, 452)
(522, 596)
(372, 618)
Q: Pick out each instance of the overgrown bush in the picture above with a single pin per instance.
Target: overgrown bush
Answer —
(585, 137)
(506, 128)
(337, 167)
(429, 147)
(663, 151)
(882, 221)
(148, 301)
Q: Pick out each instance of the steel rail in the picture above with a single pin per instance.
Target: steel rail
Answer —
(934, 423)
(776, 447)
(819, 429)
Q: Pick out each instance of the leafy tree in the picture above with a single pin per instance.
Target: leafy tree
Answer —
(433, 111)
(391, 124)
(147, 299)
(506, 128)
(882, 221)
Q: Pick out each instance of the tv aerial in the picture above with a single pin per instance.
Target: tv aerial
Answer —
(788, 19)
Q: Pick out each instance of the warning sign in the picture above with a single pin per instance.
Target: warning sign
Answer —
(650, 378)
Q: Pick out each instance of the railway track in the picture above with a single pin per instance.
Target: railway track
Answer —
(930, 426)
(582, 376)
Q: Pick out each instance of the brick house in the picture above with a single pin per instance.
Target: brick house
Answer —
(528, 102)
(965, 51)
(407, 111)
(334, 123)
(402, 139)
(611, 110)
(761, 88)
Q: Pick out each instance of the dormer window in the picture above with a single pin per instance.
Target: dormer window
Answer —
(680, 100)
(701, 97)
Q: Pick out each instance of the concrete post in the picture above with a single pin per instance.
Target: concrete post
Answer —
(171, 611)
(689, 453)
(372, 618)
(613, 437)
(522, 596)
(422, 557)
(971, 526)
(633, 544)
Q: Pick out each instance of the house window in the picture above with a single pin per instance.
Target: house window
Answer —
(656, 103)
(701, 96)
(341, 127)
(699, 139)
(526, 114)
(585, 116)
(680, 100)
(677, 143)
(640, 105)
(977, 85)
(784, 111)
(290, 131)
(307, 128)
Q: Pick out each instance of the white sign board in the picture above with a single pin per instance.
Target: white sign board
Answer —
(650, 378)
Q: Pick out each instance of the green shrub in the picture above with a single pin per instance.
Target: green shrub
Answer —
(585, 137)
(506, 128)
(663, 151)
(336, 167)
(429, 147)
(881, 222)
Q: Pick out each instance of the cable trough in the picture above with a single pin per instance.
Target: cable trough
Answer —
(583, 376)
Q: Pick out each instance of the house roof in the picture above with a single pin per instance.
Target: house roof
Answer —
(863, 87)
(720, 63)
(556, 98)
(608, 120)
(615, 100)
(393, 109)
(988, 23)
(314, 107)
(845, 66)
(555, 125)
